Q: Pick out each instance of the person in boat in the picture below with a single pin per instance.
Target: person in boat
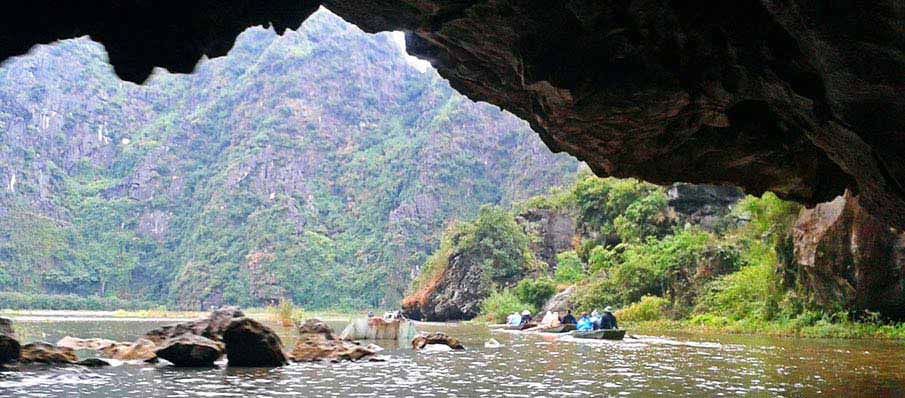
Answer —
(514, 319)
(551, 320)
(607, 319)
(568, 319)
(584, 323)
(526, 317)
(595, 319)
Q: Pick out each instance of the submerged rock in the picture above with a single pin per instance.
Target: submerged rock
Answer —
(437, 338)
(41, 352)
(250, 343)
(190, 350)
(9, 346)
(93, 363)
(84, 344)
(140, 350)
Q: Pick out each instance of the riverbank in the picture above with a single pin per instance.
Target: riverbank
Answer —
(257, 313)
(819, 329)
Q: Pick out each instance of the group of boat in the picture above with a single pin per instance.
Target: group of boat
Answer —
(569, 329)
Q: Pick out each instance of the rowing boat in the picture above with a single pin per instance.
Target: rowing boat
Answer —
(602, 334)
(559, 329)
(522, 326)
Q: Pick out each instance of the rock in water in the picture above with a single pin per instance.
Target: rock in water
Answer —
(140, 350)
(9, 346)
(492, 343)
(249, 343)
(93, 363)
(210, 327)
(83, 344)
(190, 350)
(437, 338)
(41, 352)
(316, 326)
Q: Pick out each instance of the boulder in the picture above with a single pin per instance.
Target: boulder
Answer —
(843, 258)
(9, 346)
(316, 327)
(250, 343)
(41, 352)
(140, 350)
(437, 338)
(313, 349)
(83, 344)
(210, 327)
(93, 363)
(190, 350)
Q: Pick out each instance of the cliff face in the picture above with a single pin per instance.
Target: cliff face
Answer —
(318, 165)
(800, 98)
(844, 258)
(704, 205)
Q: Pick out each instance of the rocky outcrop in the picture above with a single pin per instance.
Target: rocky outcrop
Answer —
(555, 230)
(843, 258)
(190, 350)
(41, 352)
(9, 346)
(437, 338)
(703, 205)
(456, 294)
(800, 98)
(250, 343)
(317, 327)
(561, 302)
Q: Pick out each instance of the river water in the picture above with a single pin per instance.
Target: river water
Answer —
(527, 365)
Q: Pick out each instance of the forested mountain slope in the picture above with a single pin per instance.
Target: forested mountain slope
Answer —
(318, 166)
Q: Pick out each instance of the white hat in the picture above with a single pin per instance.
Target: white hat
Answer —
(608, 309)
(526, 312)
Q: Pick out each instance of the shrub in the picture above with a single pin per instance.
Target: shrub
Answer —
(569, 268)
(535, 292)
(602, 258)
(650, 308)
(496, 307)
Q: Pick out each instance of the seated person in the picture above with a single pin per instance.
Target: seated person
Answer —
(514, 319)
(550, 320)
(584, 323)
(595, 319)
(568, 319)
(608, 320)
(526, 317)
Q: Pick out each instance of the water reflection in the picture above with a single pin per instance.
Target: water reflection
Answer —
(525, 365)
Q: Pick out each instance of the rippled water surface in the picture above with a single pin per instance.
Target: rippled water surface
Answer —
(527, 365)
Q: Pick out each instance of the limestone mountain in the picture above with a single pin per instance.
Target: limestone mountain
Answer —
(319, 165)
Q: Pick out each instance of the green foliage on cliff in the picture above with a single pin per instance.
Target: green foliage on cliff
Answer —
(317, 166)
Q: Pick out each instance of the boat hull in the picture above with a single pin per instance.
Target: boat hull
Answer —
(603, 334)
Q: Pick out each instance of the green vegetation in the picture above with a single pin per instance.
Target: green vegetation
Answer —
(664, 274)
(499, 305)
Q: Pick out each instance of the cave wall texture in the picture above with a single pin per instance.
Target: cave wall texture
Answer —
(799, 97)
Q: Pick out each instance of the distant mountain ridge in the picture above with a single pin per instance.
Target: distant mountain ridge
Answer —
(318, 166)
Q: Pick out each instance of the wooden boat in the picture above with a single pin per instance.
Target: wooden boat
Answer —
(602, 334)
(559, 329)
(523, 326)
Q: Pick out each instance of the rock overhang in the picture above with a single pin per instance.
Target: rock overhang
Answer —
(801, 98)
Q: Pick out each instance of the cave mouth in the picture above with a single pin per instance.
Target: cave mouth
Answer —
(794, 100)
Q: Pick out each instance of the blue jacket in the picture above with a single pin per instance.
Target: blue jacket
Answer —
(584, 324)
